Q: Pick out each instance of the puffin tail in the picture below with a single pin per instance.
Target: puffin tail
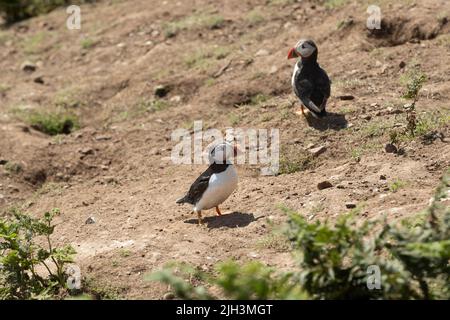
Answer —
(182, 200)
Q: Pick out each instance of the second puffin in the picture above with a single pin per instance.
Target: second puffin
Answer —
(309, 81)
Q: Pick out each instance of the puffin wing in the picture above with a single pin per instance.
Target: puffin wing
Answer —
(304, 89)
(197, 188)
(323, 84)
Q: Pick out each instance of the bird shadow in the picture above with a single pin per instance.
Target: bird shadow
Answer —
(230, 220)
(334, 121)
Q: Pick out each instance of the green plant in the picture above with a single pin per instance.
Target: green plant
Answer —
(258, 99)
(13, 167)
(195, 21)
(291, 162)
(205, 58)
(255, 17)
(87, 43)
(22, 256)
(15, 10)
(99, 290)
(396, 185)
(235, 119)
(4, 88)
(414, 81)
(52, 123)
(34, 43)
(332, 4)
(251, 281)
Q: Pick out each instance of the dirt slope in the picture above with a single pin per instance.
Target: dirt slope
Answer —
(225, 65)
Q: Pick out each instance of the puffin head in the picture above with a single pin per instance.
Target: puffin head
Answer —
(224, 152)
(305, 49)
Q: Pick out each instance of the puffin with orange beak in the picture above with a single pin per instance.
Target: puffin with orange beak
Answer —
(309, 81)
(217, 183)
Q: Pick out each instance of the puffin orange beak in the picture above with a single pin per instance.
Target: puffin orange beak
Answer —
(293, 54)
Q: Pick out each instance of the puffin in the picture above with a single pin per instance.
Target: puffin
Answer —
(310, 82)
(216, 184)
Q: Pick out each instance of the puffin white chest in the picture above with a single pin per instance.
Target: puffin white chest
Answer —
(293, 75)
(221, 185)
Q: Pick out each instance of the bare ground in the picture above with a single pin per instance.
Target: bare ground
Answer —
(215, 60)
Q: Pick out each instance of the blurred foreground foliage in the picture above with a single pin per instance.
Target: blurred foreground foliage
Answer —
(31, 267)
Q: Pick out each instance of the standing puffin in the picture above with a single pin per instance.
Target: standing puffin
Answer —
(216, 184)
(309, 81)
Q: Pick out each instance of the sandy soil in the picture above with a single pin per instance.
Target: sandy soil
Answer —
(225, 65)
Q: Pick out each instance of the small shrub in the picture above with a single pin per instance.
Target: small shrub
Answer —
(396, 185)
(13, 167)
(195, 21)
(87, 43)
(52, 123)
(16, 10)
(251, 281)
(21, 257)
(291, 162)
(414, 81)
(258, 99)
(255, 17)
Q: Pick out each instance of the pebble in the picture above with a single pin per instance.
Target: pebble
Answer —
(390, 148)
(350, 205)
(318, 150)
(90, 220)
(28, 66)
(324, 185)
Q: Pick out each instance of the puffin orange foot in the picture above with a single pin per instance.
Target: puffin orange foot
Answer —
(199, 215)
(218, 211)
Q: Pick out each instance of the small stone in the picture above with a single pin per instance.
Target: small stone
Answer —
(109, 179)
(350, 205)
(155, 33)
(102, 138)
(39, 80)
(121, 45)
(324, 185)
(367, 117)
(402, 64)
(90, 220)
(28, 66)
(273, 70)
(318, 150)
(346, 97)
(161, 91)
(374, 104)
(390, 148)
(175, 99)
(169, 296)
(86, 151)
(262, 52)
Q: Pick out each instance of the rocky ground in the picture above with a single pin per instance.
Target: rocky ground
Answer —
(225, 65)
